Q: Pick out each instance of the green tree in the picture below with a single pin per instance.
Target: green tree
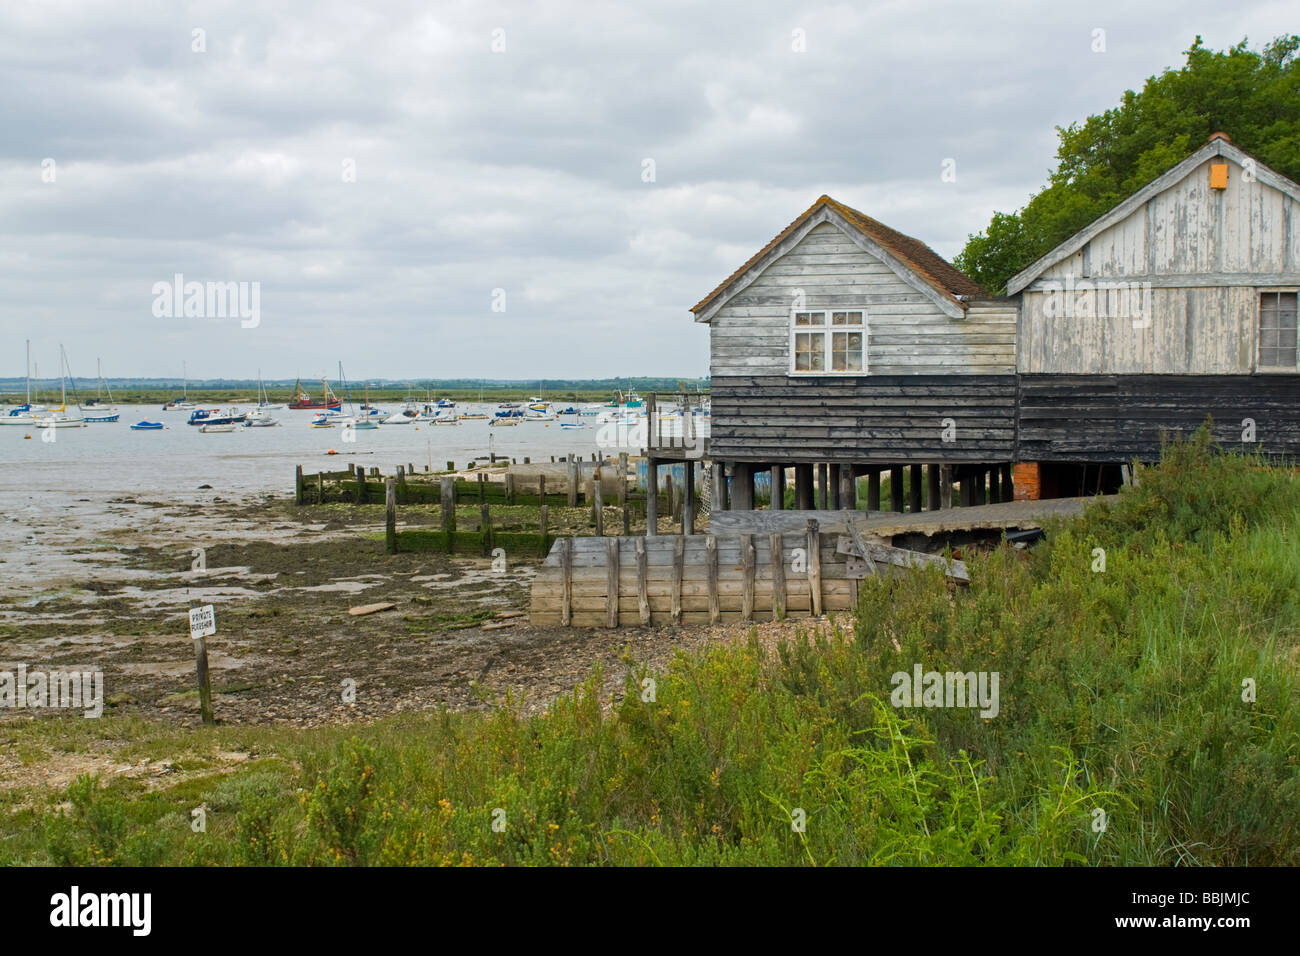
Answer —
(1254, 97)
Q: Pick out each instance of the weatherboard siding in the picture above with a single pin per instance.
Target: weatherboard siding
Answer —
(863, 419)
(1202, 257)
(1107, 418)
(907, 333)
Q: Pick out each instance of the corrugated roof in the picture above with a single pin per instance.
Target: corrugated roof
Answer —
(913, 253)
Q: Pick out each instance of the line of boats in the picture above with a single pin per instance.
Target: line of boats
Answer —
(625, 410)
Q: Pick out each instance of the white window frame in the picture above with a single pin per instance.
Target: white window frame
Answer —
(826, 330)
(1260, 292)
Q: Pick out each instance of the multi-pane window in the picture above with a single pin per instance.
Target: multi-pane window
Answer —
(828, 341)
(1277, 330)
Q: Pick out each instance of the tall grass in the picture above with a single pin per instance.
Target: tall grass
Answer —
(1122, 736)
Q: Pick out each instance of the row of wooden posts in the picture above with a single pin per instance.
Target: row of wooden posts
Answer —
(836, 486)
(448, 497)
(584, 581)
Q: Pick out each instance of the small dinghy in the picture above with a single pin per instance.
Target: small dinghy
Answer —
(207, 429)
(147, 427)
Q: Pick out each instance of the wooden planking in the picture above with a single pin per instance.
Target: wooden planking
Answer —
(679, 565)
(1204, 252)
(1203, 330)
(1107, 418)
(612, 588)
(869, 418)
(776, 563)
(907, 330)
(642, 582)
(616, 580)
(565, 546)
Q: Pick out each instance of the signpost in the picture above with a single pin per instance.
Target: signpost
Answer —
(203, 622)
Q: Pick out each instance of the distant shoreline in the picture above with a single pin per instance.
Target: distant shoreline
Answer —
(134, 391)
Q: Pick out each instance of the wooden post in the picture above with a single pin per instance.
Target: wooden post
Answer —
(718, 483)
(748, 563)
(896, 488)
(611, 585)
(803, 487)
(642, 583)
(833, 488)
(814, 568)
(679, 567)
(932, 486)
(977, 486)
(401, 477)
(546, 540)
(361, 484)
(848, 490)
(677, 505)
(485, 526)
(622, 492)
(1008, 489)
(510, 488)
(711, 572)
(651, 496)
(873, 489)
(390, 516)
(598, 503)
(205, 685)
(688, 504)
(821, 486)
(945, 486)
(566, 582)
(776, 556)
(965, 495)
(742, 486)
(297, 485)
(995, 493)
(573, 481)
(668, 493)
(914, 491)
(320, 488)
(451, 466)
(449, 511)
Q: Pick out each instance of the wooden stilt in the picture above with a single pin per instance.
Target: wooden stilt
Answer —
(688, 502)
(916, 487)
(652, 496)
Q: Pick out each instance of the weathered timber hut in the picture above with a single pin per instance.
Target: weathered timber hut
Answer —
(1177, 304)
(845, 348)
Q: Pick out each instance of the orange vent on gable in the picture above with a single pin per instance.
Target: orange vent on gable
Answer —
(1218, 175)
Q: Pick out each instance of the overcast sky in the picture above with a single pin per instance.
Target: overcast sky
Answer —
(520, 169)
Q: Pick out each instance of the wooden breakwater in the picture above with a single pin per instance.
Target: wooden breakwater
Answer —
(690, 579)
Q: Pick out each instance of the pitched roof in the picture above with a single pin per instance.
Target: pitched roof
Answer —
(912, 253)
(1217, 145)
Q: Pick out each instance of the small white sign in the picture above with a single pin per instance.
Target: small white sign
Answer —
(203, 621)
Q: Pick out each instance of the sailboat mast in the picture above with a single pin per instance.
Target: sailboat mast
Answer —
(29, 371)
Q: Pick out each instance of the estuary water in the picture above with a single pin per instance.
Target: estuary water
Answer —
(111, 458)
